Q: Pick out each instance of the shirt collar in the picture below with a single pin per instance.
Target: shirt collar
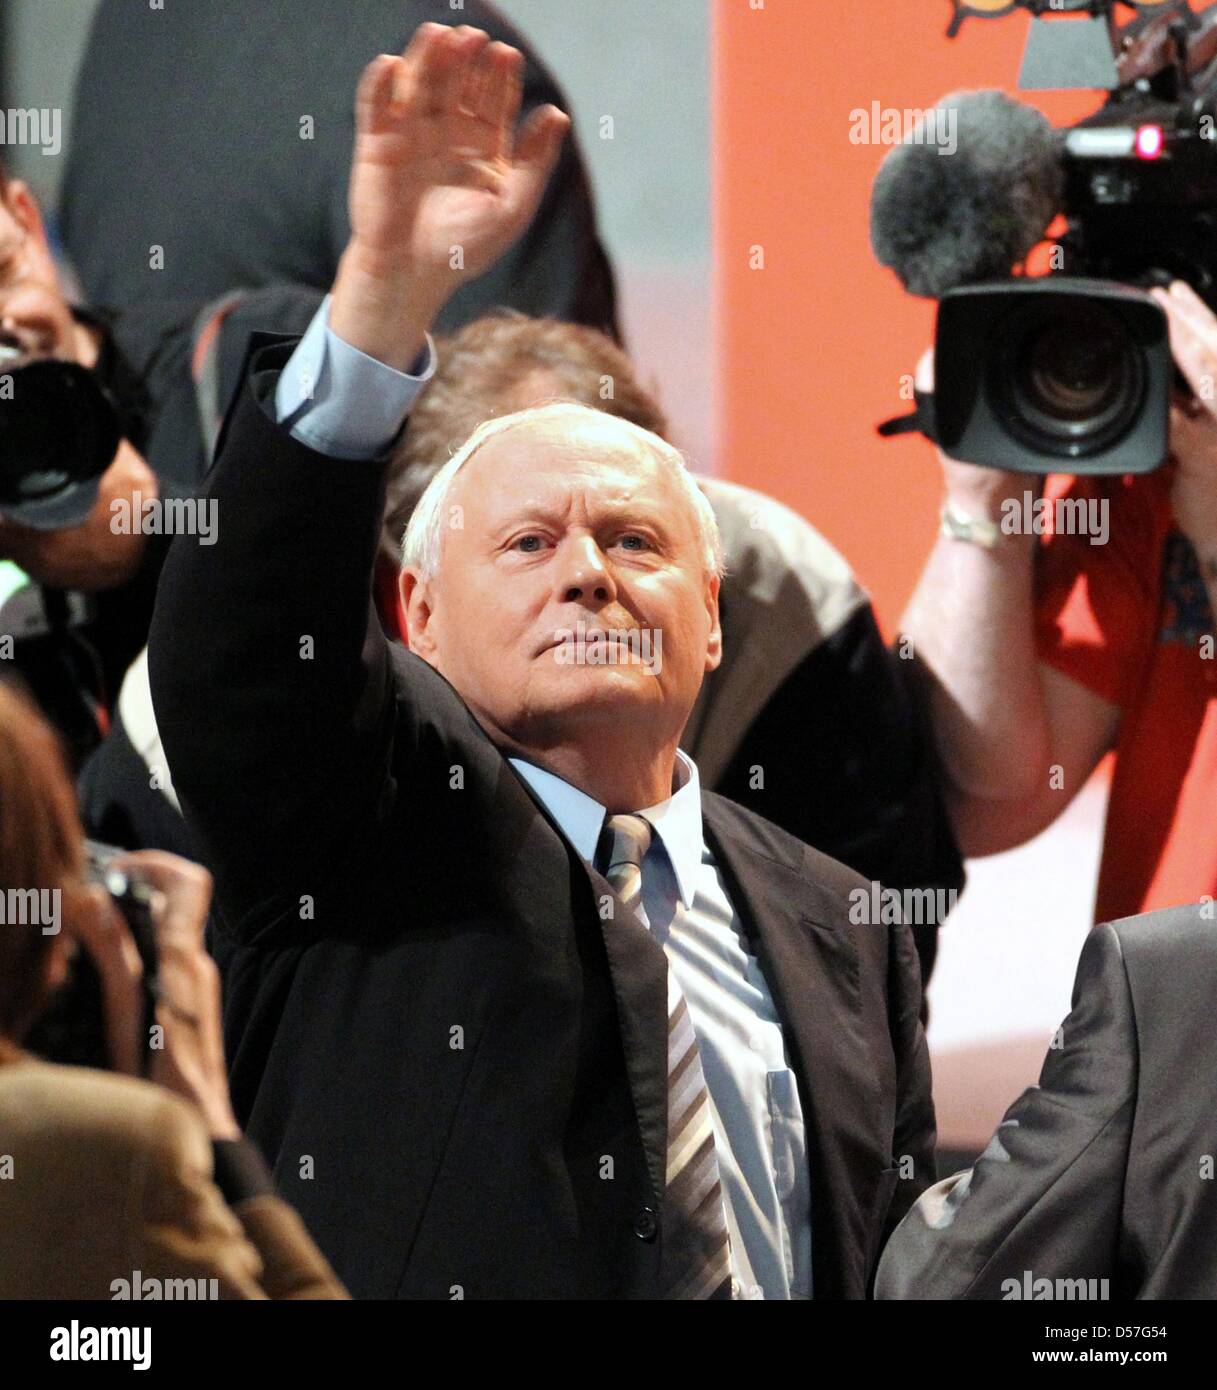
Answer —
(676, 821)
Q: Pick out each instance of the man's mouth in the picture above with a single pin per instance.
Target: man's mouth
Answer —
(20, 349)
(11, 355)
(585, 636)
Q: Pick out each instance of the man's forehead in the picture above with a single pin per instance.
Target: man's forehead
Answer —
(542, 453)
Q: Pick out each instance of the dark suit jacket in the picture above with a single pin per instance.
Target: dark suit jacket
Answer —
(460, 1070)
(1104, 1171)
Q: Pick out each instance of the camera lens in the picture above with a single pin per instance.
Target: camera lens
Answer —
(1069, 380)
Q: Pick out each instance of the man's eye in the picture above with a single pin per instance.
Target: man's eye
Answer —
(633, 541)
(528, 544)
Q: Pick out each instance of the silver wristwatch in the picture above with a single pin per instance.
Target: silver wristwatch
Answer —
(959, 526)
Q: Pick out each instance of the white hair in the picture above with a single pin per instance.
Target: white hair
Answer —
(420, 547)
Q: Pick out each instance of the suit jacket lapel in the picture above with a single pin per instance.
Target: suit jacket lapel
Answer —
(811, 968)
(639, 971)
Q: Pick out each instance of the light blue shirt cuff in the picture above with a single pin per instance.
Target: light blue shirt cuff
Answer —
(341, 402)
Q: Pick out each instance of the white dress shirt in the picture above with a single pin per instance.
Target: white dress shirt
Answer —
(757, 1115)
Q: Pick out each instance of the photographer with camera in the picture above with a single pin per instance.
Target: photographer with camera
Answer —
(104, 439)
(120, 1187)
(1049, 652)
(1066, 610)
(55, 527)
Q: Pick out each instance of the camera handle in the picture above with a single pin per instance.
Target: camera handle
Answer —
(921, 420)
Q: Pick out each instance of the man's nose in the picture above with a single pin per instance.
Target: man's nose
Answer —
(23, 319)
(583, 572)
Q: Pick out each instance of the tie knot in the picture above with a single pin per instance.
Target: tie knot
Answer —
(623, 841)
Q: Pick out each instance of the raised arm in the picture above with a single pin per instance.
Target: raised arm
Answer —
(271, 685)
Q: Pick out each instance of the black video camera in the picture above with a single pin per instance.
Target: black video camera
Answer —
(1069, 372)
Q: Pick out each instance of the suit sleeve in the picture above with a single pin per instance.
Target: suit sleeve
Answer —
(1044, 1198)
(255, 1250)
(269, 673)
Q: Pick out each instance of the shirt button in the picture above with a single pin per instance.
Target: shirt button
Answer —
(646, 1227)
(735, 1288)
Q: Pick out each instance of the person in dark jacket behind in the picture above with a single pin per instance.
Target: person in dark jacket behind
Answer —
(188, 175)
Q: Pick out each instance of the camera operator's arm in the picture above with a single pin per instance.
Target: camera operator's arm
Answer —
(1002, 718)
(273, 708)
(95, 555)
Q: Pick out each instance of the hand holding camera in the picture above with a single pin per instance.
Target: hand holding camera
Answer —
(1193, 330)
(156, 989)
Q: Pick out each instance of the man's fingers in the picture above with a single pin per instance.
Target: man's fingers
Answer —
(375, 93)
(186, 890)
(462, 53)
(423, 42)
(1191, 350)
(540, 138)
(424, 69)
(499, 100)
(1193, 309)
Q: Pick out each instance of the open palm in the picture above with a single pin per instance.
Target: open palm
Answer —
(439, 180)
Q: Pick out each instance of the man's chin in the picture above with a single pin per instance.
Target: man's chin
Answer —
(582, 693)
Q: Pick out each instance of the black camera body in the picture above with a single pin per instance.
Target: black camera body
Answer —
(1141, 186)
(1053, 374)
(73, 1029)
(59, 430)
(1069, 372)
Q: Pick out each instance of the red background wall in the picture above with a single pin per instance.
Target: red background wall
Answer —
(811, 349)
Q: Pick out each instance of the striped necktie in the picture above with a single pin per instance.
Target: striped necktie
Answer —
(692, 1185)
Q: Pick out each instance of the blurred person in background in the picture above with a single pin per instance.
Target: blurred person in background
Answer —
(117, 1182)
(1046, 655)
(71, 600)
(183, 88)
(79, 565)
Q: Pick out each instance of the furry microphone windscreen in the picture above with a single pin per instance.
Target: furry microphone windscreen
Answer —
(950, 214)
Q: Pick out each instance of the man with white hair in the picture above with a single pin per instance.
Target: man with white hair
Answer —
(515, 1007)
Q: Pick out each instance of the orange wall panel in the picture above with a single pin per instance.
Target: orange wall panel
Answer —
(810, 349)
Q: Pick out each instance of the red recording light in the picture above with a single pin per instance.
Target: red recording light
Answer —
(1150, 141)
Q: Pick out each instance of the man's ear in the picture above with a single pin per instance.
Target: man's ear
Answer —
(414, 592)
(24, 209)
(714, 646)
